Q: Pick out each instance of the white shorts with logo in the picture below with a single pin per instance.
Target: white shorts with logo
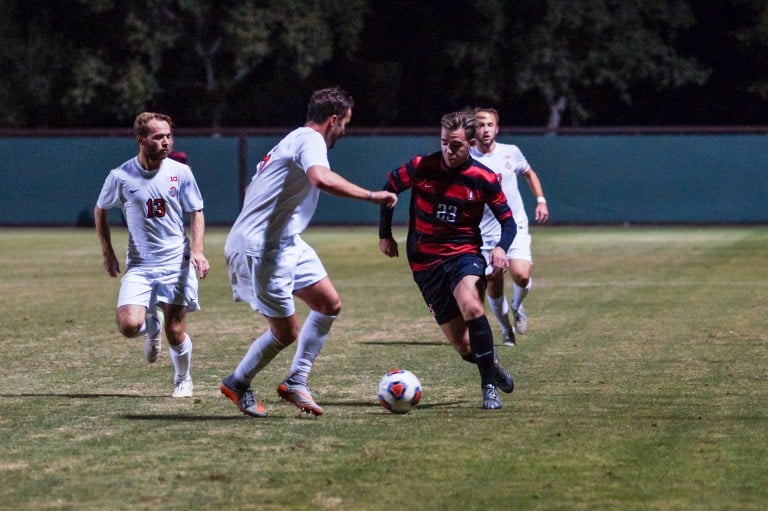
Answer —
(519, 249)
(267, 282)
(144, 286)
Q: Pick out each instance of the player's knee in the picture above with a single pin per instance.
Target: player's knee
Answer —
(473, 310)
(331, 307)
(175, 333)
(285, 332)
(286, 337)
(129, 329)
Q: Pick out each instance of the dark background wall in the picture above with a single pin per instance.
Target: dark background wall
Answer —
(588, 178)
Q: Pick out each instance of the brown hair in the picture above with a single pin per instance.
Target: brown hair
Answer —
(327, 102)
(460, 120)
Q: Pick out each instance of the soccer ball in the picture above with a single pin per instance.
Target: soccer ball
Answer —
(399, 391)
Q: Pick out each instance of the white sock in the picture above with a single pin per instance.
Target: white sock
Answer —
(312, 337)
(147, 318)
(261, 352)
(181, 356)
(520, 293)
(144, 328)
(500, 309)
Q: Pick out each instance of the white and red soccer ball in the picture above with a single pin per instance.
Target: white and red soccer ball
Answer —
(399, 391)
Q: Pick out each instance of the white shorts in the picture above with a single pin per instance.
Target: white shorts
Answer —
(267, 283)
(143, 286)
(519, 249)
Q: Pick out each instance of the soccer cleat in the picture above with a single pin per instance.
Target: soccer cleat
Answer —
(521, 320)
(508, 338)
(243, 398)
(152, 338)
(503, 379)
(300, 395)
(182, 389)
(491, 400)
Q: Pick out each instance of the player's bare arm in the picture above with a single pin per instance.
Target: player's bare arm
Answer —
(110, 262)
(331, 182)
(198, 260)
(542, 211)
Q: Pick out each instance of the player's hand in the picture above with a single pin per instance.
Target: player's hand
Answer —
(542, 213)
(498, 261)
(112, 265)
(201, 264)
(384, 197)
(388, 246)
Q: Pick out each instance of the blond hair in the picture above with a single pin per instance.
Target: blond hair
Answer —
(488, 110)
(140, 124)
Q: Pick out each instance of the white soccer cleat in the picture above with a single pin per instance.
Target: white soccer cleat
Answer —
(300, 395)
(182, 389)
(508, 338)
(521, 320)
(152, 339)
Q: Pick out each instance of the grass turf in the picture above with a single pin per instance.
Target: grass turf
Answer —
(641, 384)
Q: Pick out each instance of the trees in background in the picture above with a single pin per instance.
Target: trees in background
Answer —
(87, 63)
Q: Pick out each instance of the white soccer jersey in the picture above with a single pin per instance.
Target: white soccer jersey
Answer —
(507, 161)
(280, 200)
(153, 205)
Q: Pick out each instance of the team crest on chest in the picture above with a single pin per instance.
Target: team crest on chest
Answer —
(173, 191)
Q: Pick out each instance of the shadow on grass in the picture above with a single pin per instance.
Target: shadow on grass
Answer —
(404, 343)
(185, 417)
(80, 395)
(374, 405)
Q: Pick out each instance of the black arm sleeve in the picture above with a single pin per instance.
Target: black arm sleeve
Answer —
(508, 233)
(385, 222)
(385, 217)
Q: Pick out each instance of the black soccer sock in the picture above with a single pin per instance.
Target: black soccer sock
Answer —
(481, 341)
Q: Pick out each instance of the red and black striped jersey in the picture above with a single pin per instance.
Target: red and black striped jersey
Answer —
(446, 208)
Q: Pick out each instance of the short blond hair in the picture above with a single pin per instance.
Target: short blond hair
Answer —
(140, 124)
(488, 110)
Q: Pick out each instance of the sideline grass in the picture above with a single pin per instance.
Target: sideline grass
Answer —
(641, 385)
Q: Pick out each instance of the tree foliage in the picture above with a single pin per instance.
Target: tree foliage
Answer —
(607, 47)
(71, 63)
(754, 39)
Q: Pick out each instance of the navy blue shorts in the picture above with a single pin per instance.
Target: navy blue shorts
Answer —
(437, 285)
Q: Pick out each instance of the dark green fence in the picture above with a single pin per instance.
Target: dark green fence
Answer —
(589, 178)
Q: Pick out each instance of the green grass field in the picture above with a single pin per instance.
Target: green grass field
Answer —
(642, 384)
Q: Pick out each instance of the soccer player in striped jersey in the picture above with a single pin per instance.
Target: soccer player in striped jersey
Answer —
(449, 192)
